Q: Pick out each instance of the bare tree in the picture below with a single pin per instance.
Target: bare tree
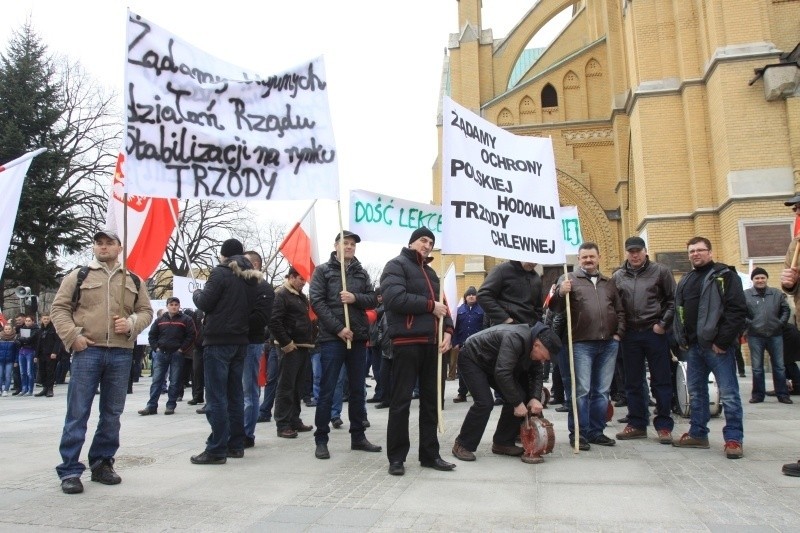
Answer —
(204, 225)
(265, 240)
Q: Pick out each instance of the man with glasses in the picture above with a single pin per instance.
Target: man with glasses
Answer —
(710, 311)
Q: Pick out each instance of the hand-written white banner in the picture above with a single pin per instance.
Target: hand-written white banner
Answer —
(381, 218)
(183, 288)
(500, 196)
(198, 127)
(572, 229)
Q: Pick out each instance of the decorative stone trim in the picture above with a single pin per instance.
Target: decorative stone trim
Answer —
(595, 136)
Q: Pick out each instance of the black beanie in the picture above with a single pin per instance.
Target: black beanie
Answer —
(231, 247)
(758, 270)
(421, 232)
(471, 291)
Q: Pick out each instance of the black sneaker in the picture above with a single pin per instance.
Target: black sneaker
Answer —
(583, 444)
(104, 473)
(322, 452)
(207, 459)
(71, 485)
(602, 440)
(249, 442)
(337, 422)
(235, 454)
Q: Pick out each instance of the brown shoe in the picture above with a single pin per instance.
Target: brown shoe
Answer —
(302, 428)
(733, 450)
(287, 433)
(533, 460)
(459, 399)
(461, 453)
(664, 436)
(514, 451)
(687, 441)
(630, 433)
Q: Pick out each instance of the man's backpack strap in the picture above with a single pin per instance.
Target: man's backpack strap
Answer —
(83, 271)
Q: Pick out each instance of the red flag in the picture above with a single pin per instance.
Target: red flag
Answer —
(299, 247)
(2, 320)
(796, 225)
(150, 224)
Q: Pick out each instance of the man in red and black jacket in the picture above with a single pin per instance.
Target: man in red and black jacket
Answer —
(410, 290)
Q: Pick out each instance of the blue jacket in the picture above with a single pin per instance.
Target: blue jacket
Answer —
(8, 351)
(469, 321)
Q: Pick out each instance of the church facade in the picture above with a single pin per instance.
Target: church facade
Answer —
(669, 119)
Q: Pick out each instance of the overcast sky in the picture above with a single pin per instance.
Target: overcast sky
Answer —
(383, 68)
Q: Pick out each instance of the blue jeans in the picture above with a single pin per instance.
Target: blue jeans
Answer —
(333, 355)
(316, 372)
(775, 347)
(26, 370)
(250, 388)
(638, 347)
(699, 363)
(162, 362)
(594, 370)
(338, 394)
(6, 370)
(224, 397)
(109, 369)
(273, 374)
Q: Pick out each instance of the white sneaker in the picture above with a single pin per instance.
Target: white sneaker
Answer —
(5, 393)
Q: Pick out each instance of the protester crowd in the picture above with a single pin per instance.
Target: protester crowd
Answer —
(629, 331)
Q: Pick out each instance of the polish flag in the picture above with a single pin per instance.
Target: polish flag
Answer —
(299, 247)
(150, 224)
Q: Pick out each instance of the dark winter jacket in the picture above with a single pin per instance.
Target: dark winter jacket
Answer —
(49, 342)
(28, 338)
(716, 315)
(170, 333)
(227, 299)
(290, 321)
(323, 292)
(766, 313)
(469, 322)
(9, 349)
(410, 288)
(596, 310)
(648, 295)
(503, 352)
(262, 310)
(510, 291)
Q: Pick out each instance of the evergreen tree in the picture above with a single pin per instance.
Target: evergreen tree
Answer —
(47, 102)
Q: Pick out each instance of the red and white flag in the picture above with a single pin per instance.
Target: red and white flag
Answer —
(299, 247)
(150, 224)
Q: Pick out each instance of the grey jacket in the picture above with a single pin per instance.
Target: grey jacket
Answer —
(766, 314)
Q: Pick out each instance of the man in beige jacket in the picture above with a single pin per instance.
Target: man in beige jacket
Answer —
(98, 320)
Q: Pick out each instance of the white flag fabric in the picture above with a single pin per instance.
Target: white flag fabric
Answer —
(381, 218)
(450, 292)
(198, 127)
(12, 177)
(573, 237)
(500, 195)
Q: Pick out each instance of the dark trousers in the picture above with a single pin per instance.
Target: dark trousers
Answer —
(375, 358)
(408, 364)
(480, 385)
(48, 372)
(638, 347)
(290, 388)
(386, 379)
(198, 377)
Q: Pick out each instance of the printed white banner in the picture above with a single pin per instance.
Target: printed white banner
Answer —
(571, 229)
(381, 218)
(500, 196)
(182, 289)
(198, 127)
(156, 304)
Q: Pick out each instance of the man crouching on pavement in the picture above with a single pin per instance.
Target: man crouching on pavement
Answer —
(508, 358)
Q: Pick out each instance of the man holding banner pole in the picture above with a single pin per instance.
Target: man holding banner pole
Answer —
(342, 342)
(410, 289)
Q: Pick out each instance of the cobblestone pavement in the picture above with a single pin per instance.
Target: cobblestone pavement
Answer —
(637, 485)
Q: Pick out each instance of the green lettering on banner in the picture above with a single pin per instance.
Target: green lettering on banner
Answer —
(572, 231)
(376, 213)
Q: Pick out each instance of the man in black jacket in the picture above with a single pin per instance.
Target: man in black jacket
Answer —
(47, 351)
(512, 294)
(340, 344)
(290, 328)
(171, 336)
(259, 318)
(227, 299)
(410, 290)
(509, 358)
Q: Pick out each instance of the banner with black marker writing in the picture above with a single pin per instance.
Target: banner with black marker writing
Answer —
(500, 196)
(381, 218)
(198, 127)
